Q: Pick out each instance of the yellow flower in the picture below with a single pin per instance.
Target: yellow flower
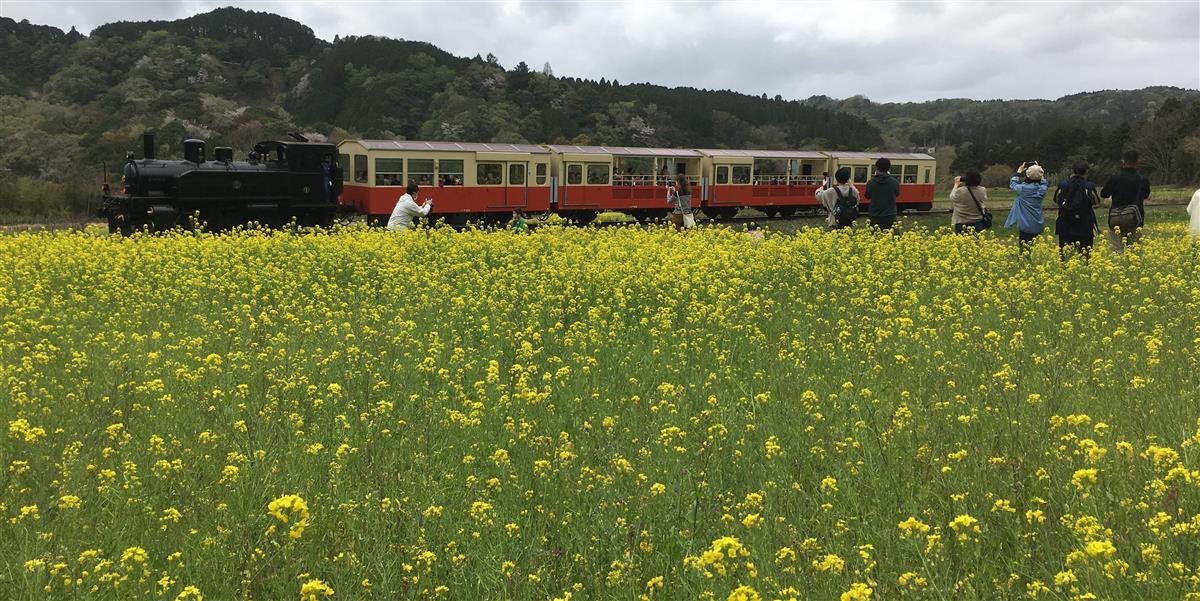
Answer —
(743, 593)
(313, 590)
(288, 508)
(858, 592)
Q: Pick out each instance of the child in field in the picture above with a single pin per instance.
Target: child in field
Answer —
(518, 221)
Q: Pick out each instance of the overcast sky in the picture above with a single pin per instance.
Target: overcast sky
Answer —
(892, 51)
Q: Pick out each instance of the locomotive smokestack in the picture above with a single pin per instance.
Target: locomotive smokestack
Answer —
(148, 145)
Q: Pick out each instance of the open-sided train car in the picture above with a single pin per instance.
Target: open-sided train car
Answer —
(594, 179)
(915, 171)
(467, 180)
(776, 182)
(487, 181)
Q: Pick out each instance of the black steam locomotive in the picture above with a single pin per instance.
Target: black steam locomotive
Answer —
(280, 183)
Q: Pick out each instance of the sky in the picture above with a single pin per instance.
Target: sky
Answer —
(887, 51)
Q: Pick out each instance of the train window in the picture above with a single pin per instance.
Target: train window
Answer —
(450, 172)
(860, 174)
(344, 163)
(575, 174)
(541, 173)
(741, 174)
(516, 174)
(927, 176)
(420, 171)
(597, 173)
(723, 174)
(389, 172)
(360, 168)
(489, 174)
(910, 174)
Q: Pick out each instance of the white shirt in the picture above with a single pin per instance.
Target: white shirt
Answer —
(1193, 210)
(406, 209)
(828, 198)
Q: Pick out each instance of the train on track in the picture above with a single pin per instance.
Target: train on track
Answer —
(280, 182)
(313, 184)
(487, 181)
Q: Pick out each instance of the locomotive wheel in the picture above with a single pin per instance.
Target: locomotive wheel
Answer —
(787, 212)
(769, 211)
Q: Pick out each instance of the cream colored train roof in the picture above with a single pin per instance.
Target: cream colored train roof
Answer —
(624, 151)
(762, 154)
(894, 156)
(412, 145)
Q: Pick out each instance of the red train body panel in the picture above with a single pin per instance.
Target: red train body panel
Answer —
(489, 179)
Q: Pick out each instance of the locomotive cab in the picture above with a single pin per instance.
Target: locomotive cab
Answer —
(282, 182)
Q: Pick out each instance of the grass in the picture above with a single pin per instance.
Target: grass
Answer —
(596, 413)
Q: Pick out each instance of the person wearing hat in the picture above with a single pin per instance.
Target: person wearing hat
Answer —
(1030, 185)
(1129, 191)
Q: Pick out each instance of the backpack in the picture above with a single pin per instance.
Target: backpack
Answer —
(1075, 200)
(845, 210)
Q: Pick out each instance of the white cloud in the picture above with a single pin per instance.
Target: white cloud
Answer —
(885, 50)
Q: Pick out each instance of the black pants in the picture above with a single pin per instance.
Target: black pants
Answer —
(883, 222)
(1075, 244)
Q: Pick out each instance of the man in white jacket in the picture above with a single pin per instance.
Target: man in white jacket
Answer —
(1194, 214)
(406, 209)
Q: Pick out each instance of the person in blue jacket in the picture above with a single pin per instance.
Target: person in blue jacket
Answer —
(1030, 185)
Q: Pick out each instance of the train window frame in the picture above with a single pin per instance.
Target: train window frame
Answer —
(575, 174)
(480, 178)
(927, 175)
(862, 173)
(910, 170)
(520, 170)
(360, 169)
(418, 173)
(344, 162)
(597, 181)
(540, 174)
(445, 177)
(722, 175)
(740, 174)
(385, 167)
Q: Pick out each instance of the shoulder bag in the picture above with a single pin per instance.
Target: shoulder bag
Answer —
(986, 221)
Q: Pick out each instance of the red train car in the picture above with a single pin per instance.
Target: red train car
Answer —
(466, 180)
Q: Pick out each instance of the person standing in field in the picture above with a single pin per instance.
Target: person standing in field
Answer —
(1076, 223)
(1129, 191)
(407, 208)
(841, 201)
(882, 191)
(680, 195)
(1193, 210)
(1030, 185)
(967, 206)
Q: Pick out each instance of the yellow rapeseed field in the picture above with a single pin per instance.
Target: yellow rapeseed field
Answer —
(618, 413)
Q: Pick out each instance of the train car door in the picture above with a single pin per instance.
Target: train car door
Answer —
(577, 193)
(516, 191)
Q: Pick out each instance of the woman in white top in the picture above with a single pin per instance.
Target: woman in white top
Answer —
(407, 208)
(967, 201)
(828, 197)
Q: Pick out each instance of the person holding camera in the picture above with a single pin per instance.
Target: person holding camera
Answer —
(1030, 185)
(967, 208)
(407, 208)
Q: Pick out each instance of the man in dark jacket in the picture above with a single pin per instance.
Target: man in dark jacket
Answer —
(882, 191)
(1127, 188)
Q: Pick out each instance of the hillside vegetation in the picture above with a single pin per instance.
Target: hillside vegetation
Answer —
(71, 105)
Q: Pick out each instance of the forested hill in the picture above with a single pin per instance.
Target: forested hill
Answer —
(70, 102)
